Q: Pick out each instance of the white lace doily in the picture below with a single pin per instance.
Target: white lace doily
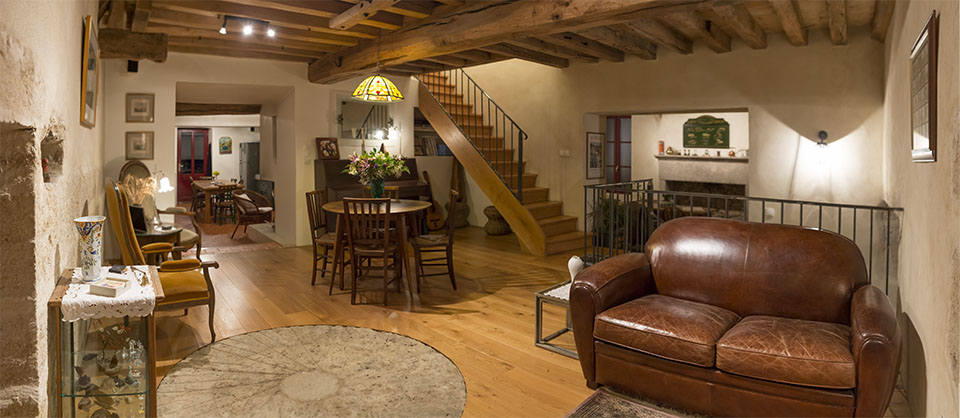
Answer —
(138, 300)
(562, 292)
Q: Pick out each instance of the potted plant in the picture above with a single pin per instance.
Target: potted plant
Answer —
(372, 167)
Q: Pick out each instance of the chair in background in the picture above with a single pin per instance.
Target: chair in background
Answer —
(368, 239)
(188, 239)
(437, 243)
(186, 283)
(322, 239)
(252, 208)
(198, 201)
(390, 192)
(223, 203)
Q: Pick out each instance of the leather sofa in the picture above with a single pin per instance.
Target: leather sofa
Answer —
(731, 318)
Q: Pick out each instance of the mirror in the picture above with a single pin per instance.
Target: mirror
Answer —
(363, 120)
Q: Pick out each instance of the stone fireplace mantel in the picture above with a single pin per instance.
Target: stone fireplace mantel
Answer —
(723, 170)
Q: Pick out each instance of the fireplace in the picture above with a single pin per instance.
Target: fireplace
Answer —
(708, 188)
(710, 175)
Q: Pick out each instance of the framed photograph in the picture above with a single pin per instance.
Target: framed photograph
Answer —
(139, 107)
(594, 155)
(139, 145)
(226, 145)
(327, 149)
(89, 76)
(923, 93)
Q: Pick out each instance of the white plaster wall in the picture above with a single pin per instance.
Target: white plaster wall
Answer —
(229, 164)
(930, 195)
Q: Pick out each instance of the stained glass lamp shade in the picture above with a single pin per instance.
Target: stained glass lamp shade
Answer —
(377, 88)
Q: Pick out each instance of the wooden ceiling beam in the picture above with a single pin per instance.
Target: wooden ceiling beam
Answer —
(585, 45)
(141, 15)
(624, 39)
(734, 19)
(226, 44)
(837, 21)
(235, 36)
(274, 16)
(362, 10)
(448, 60)
(328, 9)
(882, 15)
(162, 17)
(514, 51)
(477, 25)
(694, 26)
(236, 53)
(786, 11)
(552, 48)
(117, 19)
(204, 109)
(661, 35)
(120, 43)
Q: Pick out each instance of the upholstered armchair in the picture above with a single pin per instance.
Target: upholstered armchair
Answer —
(135, 174)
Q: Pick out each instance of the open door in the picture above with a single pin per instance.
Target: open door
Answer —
(193, 156)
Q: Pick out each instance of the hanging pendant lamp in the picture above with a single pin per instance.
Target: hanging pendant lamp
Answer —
(377, 88)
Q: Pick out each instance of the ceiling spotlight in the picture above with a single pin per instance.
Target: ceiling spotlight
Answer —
(247, 29)
(223, 28)
(271, 33)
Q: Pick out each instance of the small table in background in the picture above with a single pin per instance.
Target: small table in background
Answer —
(209, 188)
(558, 295)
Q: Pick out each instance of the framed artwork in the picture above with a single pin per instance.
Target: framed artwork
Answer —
(226, 145)
(327, 149)
(923, 92)
(139, 107)
(139, 145)
(89, 76)
(594, 155)
(706, 132)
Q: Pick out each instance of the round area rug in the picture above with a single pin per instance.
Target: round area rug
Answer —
(314, 370)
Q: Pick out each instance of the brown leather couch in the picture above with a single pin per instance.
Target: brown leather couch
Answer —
(732, 318)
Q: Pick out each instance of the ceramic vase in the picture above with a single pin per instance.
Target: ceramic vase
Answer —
(91, 243)
(376, 188)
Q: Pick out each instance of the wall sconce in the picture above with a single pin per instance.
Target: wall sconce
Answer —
(822, 143)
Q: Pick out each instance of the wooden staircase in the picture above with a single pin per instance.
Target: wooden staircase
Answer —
(461, 115)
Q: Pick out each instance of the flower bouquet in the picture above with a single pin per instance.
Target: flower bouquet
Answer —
(372, 167)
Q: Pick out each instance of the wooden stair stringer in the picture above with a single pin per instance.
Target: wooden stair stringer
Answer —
(524, 225)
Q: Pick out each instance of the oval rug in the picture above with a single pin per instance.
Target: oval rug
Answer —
(313, 370)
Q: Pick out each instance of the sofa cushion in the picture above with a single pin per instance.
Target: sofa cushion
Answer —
(791, 351)
(667, 327)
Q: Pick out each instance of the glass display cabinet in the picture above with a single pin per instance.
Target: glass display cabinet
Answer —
(106, 367)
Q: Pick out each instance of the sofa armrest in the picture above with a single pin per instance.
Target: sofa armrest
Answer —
(609, 283)
(876, 349)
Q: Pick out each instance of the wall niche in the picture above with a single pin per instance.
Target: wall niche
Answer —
(51, 156)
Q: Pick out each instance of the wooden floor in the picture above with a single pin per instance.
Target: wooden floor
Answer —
(486, 327)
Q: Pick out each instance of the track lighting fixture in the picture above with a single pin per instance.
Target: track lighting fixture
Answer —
(223, 28)
(270, 32)
(247, 29)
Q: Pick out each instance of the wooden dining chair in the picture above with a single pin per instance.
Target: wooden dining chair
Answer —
(437, 243)
(224, 204)
(368, 239)
(390, 192)
(186, 283)
(323, 240)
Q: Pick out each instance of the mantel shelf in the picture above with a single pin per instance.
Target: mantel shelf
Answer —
(703, 158)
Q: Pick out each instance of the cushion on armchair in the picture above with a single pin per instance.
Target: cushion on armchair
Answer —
(181, 286)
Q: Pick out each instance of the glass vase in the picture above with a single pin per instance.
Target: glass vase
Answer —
(91, 240)
(376, 188)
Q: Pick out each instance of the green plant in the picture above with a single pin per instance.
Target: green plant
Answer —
(375, 165)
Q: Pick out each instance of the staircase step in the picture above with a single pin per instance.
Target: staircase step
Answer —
(529, 180)
(503, 166)
(467, 119)
(534, 194)
(543, 210)
(496, 153)
(566, 242)
(433, 77)
(557, 225)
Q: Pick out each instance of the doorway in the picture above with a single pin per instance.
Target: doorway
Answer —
(193, 157)
(618, 149)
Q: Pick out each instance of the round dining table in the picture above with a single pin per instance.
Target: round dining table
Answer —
(405, 208)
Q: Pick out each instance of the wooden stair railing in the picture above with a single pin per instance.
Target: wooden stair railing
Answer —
(489, 145)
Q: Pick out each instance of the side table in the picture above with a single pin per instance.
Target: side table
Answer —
(558, 295)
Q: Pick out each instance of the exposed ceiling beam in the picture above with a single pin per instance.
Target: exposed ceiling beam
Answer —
(734, 19)
(585, 45)
(448, 60)
(527, 55)
(324, 8)
(622, 38)
(225, 44)
(235, 36)
(141, 15)
(160, 17)
(882, 15)
(661, 34)
(786, 11)
(837, 20)
(363, 10)
(203, 109)
(694, 26)
(275, 17)
(478, 25)
(473, 55)
(118, 15)
(550, 48)
(120, 43)
(236, 53)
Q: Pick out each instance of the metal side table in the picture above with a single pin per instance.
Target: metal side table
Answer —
(558, 295)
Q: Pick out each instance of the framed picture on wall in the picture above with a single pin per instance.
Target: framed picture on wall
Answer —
(226, 145)
(923, 93)
(594, 155)
(139, 107)
(139, 145)
(328, 149)
(89, 76)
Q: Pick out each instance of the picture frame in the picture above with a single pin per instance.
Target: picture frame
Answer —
(89, 74)
(923, 92)
(595, 155)
(226, 145)
(139, 145)
(328, 149)
(140, 107)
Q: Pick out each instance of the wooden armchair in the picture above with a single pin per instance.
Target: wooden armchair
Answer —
(252, 208)
(186, 283)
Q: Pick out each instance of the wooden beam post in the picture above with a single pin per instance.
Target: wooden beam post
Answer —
(201, 109)
(359, 12)
(118, 15)
(837, 19)
(882, 15)
(661, 34)
(734, 18)
(585, 45)
(527, 55)
(119, 43)
(624, 39)
(695, 26)
(550, 48)
(141, 15)
(786, 11)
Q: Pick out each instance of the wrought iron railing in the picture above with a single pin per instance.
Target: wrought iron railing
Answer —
(620, 217)
(494, 134)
